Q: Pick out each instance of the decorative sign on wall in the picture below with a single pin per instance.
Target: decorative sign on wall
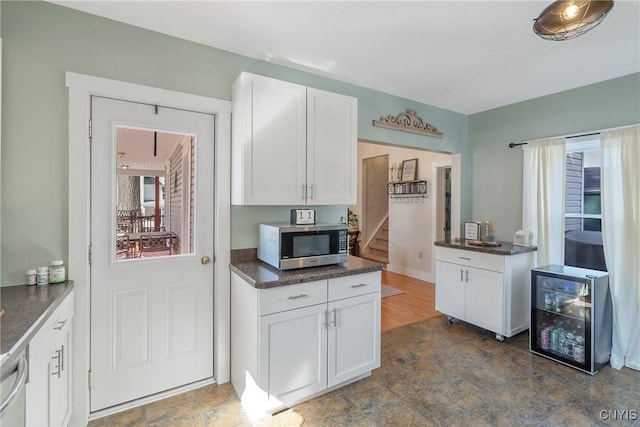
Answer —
(408, 122)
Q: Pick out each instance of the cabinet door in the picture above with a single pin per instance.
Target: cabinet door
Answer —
(354, 337)
(485, 299)
(293, 354)
(332, 127)
(48, 394)
(60, 372)
(38, 380)
(451, 289)
(269, 141)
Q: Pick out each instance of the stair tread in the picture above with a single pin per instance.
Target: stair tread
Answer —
(378, 246)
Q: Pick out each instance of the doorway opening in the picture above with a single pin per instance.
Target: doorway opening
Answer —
(409, 229)
(443, 203)
(375, 213)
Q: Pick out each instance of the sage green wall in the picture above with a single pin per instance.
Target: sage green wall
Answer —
(497, 169)
(42, 40)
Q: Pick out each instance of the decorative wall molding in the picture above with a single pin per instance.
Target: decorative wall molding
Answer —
(408, 122)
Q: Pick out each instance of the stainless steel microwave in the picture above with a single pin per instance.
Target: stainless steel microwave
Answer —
(287, 246)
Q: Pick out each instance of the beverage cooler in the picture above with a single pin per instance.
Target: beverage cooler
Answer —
(571, 316)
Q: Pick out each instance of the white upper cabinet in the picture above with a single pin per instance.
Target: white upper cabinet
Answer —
(332, 134)
(291, 145)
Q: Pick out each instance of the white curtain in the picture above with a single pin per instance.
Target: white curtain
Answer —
(621, 238)
(543, 198)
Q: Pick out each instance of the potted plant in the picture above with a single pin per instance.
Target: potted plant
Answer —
(352, 224)
(351, 221)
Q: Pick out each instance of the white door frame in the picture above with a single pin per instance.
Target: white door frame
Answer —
(81, 88)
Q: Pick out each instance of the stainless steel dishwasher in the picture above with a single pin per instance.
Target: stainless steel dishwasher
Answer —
(12, 390)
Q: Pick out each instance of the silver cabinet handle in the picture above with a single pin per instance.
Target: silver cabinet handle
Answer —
(298, 296)
(58, 358)
(359, 286)
(59, 325)
(335, 317)
(326, 319)
(467, 275)
(311, 197)
(461, 275)
(302, 191)
(464, 258)
(21, 378)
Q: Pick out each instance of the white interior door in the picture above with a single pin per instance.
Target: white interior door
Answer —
(151, 312)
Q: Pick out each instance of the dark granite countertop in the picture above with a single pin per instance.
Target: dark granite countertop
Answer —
(505, 248)
(27, 308)
(261, 275)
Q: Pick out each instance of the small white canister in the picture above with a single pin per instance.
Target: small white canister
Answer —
(57, 272)
(42, 276)
(32, 276)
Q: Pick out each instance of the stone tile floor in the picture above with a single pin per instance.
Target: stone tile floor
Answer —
(432, 374)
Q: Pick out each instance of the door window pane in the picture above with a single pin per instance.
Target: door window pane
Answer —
(154, 193)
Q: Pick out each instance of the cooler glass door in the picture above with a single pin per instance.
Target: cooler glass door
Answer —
(561, 319)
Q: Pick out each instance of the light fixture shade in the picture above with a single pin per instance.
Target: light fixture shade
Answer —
(564, 20)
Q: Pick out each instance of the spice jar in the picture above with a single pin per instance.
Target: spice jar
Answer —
(42, 276)
(32, 276)
(57, 272)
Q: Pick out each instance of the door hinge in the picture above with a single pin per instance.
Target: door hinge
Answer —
(90, 128)
(89, 379)
(89, 254)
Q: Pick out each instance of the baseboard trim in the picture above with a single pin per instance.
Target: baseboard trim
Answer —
(416, 274)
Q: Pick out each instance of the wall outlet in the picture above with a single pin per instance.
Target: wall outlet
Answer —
(420, 254)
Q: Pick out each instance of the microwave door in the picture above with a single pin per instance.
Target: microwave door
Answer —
(306, 245)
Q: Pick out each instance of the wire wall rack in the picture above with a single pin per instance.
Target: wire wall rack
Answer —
(407, 192)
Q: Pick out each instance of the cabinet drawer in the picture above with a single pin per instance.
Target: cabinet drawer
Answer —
(289, 297)
(357, 284)
(471, 258)
(63, 314)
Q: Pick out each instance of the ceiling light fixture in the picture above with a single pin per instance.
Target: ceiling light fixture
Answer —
(565, 20)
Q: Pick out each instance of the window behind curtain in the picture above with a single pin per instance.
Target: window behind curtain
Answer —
(583, 214)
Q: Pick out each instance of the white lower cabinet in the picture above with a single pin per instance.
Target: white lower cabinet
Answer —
(292, 352)
(48, 389)
(354, 339)
(291, 343)
(487, 290)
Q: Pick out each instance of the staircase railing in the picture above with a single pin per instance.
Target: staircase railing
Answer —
(373, 235)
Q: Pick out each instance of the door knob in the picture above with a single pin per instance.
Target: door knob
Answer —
(205, 260)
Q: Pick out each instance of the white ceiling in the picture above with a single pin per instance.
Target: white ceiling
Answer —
(465, 56)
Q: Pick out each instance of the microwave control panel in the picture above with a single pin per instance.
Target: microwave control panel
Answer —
(342, 242)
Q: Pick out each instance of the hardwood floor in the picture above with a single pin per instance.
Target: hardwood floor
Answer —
(417, 303)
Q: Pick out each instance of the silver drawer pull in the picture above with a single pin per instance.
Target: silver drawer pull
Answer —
(298, 296)
(464, 258)
(60, 325)
(359, 286)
